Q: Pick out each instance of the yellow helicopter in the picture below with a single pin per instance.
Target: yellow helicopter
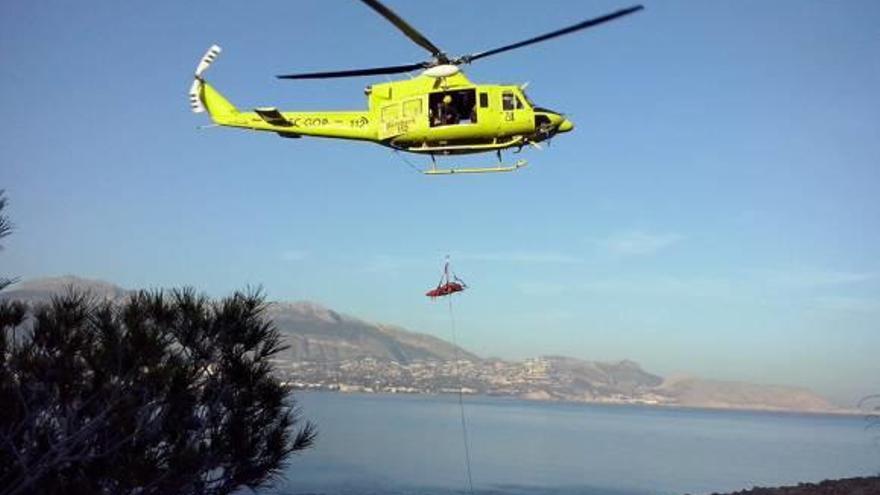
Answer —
(439, 112)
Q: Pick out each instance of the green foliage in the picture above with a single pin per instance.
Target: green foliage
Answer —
(164, 393)
(5, 230)
(5, 226)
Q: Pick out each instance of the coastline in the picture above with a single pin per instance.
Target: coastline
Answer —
(610, 404)
(847, 486)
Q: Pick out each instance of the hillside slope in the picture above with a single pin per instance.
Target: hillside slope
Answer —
(313, 332)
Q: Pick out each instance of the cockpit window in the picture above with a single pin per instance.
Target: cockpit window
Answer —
(508, 100)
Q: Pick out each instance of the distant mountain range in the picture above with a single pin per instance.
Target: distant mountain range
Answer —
(333, 351)
(316, 333)
(313, 332)
(43, 289)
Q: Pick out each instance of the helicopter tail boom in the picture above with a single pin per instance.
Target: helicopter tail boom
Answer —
(204, 98)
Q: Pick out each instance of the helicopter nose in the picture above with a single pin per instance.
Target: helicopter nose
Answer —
(565, 126)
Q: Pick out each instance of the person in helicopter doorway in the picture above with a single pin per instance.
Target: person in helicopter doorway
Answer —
(446, 111)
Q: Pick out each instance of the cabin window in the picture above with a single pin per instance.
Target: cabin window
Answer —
(453, 107)
(484, 100)
(391, 112)
(412, 108)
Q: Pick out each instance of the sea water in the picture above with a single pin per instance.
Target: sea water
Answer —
(396, 444)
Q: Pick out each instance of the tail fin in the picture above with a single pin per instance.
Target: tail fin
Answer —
(202, 97)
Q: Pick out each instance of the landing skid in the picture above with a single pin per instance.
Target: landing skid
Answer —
(474, 170)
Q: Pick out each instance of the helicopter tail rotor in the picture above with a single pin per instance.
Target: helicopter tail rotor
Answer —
(208, 59)
(195, 91)
(195, 97)
(203, 97)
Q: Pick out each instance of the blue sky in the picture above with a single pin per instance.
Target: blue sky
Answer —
(714, 212)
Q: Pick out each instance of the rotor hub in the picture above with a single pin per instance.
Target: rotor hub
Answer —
(440, 71)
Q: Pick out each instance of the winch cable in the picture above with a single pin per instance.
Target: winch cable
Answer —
(407, 162)
(464, 431)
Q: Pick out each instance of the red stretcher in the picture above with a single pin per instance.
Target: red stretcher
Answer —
(449, 284)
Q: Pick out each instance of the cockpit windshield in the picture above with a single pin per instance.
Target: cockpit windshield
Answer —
(528, 100)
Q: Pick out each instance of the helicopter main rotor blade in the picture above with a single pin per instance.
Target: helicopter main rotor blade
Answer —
(408, 30)
(544, 37)
(394, 69)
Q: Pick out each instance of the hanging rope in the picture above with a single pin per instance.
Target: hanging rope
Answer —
(464, 432)
(404, 160)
